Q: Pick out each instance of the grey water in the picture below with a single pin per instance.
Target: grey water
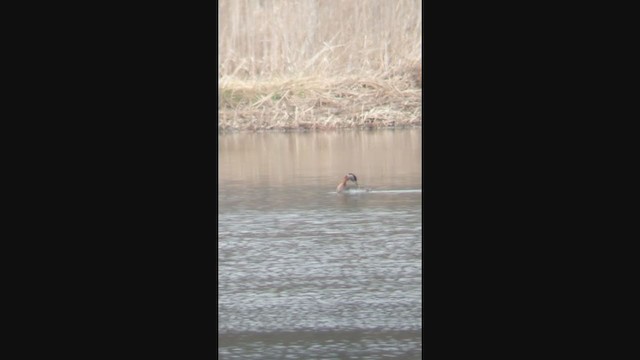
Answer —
(306, 273)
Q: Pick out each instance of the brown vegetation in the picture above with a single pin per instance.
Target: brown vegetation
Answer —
(317, 64)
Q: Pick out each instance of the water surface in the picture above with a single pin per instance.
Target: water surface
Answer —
(307, 273)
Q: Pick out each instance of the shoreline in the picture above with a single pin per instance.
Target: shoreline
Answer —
(317, 104)
(317, 129)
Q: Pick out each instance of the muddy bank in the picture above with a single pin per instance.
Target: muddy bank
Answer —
(321, 104)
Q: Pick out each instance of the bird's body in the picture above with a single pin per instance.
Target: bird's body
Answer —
(343, 185)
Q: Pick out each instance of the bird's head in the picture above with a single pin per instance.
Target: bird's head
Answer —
(352, 177)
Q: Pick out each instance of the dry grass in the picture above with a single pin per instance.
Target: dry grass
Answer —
(317, 64)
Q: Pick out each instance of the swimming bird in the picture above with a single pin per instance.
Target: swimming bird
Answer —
(342, 186)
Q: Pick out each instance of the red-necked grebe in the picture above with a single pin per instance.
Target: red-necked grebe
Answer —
(343, 185)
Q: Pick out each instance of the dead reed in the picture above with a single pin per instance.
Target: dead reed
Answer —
(319, 64)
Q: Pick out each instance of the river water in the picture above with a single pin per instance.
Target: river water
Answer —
(306, 273)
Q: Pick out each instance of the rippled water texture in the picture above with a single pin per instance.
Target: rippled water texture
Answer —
(304, 272)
